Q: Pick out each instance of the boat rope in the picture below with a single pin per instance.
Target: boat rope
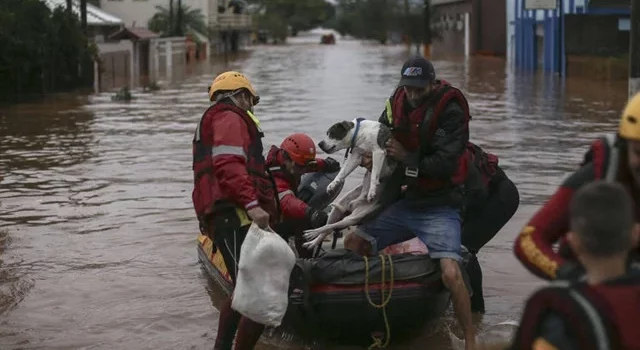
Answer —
(377, 341)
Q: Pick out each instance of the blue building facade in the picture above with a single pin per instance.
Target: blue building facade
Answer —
(536, 37)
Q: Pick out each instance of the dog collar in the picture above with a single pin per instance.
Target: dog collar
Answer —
(353, 138)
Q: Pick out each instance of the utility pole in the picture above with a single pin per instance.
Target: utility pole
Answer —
(427, 28)
(634, 49)
(407, 23)
(85, 64)
(179, 19)
(83, 17)
(170, 18)
(69, 8)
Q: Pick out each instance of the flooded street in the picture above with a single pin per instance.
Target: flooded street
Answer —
(97, 231)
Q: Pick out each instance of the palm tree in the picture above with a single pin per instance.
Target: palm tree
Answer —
(189, 19)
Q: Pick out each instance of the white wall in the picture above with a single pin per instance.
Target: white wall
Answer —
(139, 12)
(122, 45)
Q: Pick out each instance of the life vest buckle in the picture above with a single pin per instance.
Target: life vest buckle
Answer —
(411, 171)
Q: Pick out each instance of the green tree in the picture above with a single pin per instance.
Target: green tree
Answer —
(277, 16)
(40, 50)
(191, 19)
(375, 19)
(367, 19)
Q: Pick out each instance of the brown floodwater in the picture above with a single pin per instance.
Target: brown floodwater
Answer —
(97, 243)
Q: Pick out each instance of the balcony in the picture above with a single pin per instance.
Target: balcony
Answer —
(234, 21)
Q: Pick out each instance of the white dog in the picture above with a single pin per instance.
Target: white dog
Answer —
(357, 137)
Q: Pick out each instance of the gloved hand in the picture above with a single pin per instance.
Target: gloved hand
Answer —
(570, 271)
(317, 218)
(331, 165)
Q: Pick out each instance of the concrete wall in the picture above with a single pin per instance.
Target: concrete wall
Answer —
(595, 35)
(167, 58)
(450, 24)
(470, 27)
(115, 68)
(490, 27)
(120, 62)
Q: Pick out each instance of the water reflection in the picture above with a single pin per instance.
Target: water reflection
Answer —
(14, 285)
(48, 134)
(96, 193)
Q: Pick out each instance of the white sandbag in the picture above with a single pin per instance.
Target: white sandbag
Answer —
(264, 269)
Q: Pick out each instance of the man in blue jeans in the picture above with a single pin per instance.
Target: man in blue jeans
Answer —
(430, 124)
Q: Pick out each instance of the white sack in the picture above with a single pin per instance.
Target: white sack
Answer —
(264, 269)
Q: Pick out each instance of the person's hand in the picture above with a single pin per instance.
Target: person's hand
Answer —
(331, 165)
(259, 216)
(395, 150)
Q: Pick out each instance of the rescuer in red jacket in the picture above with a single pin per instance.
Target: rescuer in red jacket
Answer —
(232, 187)
(602, 312)
(287, 163)
(613, 158)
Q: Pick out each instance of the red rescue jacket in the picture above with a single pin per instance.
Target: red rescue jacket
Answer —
(228, 165)
(600, 317)
(410, 131)
(534, 245)
(290, 206)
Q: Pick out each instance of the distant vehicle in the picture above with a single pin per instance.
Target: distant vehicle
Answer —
(328, 39)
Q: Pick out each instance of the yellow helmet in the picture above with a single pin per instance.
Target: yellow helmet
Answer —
(231, 81)
(630, 121)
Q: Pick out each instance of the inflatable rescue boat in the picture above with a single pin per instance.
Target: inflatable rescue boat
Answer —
(343, 298)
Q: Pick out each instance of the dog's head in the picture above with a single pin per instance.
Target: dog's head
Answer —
(338, 137)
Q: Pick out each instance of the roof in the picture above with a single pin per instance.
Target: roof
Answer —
(95, 16)
(135, 33)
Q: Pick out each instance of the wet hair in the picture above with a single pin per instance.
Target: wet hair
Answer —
(602, 215)
(220, 95)
(223, 95)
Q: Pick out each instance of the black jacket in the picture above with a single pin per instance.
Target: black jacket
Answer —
(436, 159)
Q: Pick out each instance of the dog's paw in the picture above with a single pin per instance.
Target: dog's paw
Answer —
(333, 186)
(312, 244)
(371, 195)
(310, 235)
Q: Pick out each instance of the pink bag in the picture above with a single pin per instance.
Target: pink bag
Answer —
(413, 246)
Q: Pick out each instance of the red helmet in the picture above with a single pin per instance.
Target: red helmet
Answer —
(300, 148)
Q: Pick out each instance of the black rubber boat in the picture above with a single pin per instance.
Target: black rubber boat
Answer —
(343, 298)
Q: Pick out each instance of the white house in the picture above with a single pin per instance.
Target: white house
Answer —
(136, 13)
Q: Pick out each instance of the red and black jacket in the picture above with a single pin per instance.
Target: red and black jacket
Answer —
(435, 134)
(534, 245)
(579, 316)
(286, 185)
(228, 166)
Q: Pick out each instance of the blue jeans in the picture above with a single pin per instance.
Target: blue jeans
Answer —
(439, 228)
